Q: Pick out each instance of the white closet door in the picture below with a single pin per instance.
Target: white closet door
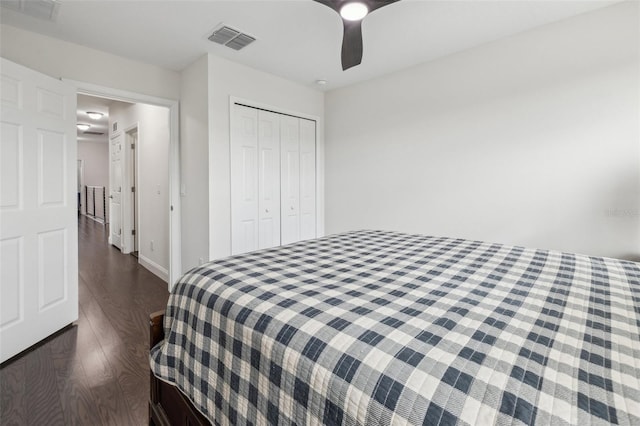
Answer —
(244, 180)
(307, 179)
(268, 179)
(290, 175)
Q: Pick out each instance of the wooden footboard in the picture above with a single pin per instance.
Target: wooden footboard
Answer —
(167, 405)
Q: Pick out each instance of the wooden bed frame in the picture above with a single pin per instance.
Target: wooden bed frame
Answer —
(167, 405)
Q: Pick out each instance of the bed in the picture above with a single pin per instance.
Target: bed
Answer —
(385, 328)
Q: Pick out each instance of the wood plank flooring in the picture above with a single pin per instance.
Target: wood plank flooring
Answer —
(95, 372)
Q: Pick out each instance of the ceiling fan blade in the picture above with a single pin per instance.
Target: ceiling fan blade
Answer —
(333, 4)
(377, 4)
(351, 44)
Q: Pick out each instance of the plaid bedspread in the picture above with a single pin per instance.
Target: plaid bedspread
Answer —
(382, 328)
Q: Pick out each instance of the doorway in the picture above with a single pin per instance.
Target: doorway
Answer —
(165, 192)
(138, 200)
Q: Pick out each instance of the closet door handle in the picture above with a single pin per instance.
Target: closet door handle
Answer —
(291, 207)
(266, 210)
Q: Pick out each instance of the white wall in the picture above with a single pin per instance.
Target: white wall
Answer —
(59, 58)
(228, 79)
(194, 160)
(95, 157)
(531, 140)
(153, 180)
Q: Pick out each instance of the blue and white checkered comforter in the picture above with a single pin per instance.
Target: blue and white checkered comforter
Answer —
(382, 328)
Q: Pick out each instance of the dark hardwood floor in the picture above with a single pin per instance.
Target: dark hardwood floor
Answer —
(95, 372)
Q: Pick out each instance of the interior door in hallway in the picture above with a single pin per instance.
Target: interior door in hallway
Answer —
(115, 188)
(38, 199)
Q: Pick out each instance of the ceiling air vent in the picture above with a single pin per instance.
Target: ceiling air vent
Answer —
(231, 38)
(241, 41)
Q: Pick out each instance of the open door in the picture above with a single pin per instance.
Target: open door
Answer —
(38, 199)
(115, 189)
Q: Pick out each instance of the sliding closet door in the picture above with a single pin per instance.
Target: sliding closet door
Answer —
(244, 180)
(268, 179)
(290, 175)
(307, 179)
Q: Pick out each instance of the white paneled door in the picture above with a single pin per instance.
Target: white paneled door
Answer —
(307, 179)
(38, 218)
(244, 180)
(290, 175)
(116, 163)
(268, 179)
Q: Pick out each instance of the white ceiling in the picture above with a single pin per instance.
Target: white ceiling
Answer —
(297, 39)
(94, 104)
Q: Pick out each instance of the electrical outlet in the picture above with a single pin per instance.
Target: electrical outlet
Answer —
(151, 245)
(200, 261)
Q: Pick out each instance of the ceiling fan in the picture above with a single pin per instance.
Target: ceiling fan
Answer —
(352, 13)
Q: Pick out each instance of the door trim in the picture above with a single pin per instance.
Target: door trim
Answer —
(319, 155)
(80, 186)
(175, 233)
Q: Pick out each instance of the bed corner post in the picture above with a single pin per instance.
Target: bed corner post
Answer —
(156, 331)
(156, 334)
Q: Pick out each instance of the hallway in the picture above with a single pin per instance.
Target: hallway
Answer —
(96, 371)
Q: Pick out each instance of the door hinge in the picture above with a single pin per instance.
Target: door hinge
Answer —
(133, 232)
(133, 189)
(133, 146)
(171, 208)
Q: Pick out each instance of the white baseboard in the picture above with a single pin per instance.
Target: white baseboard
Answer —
(155, 269)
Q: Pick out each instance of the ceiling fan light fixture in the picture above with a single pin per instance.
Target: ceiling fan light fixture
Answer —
(83, 127)
(94, 115)
(354, 11)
